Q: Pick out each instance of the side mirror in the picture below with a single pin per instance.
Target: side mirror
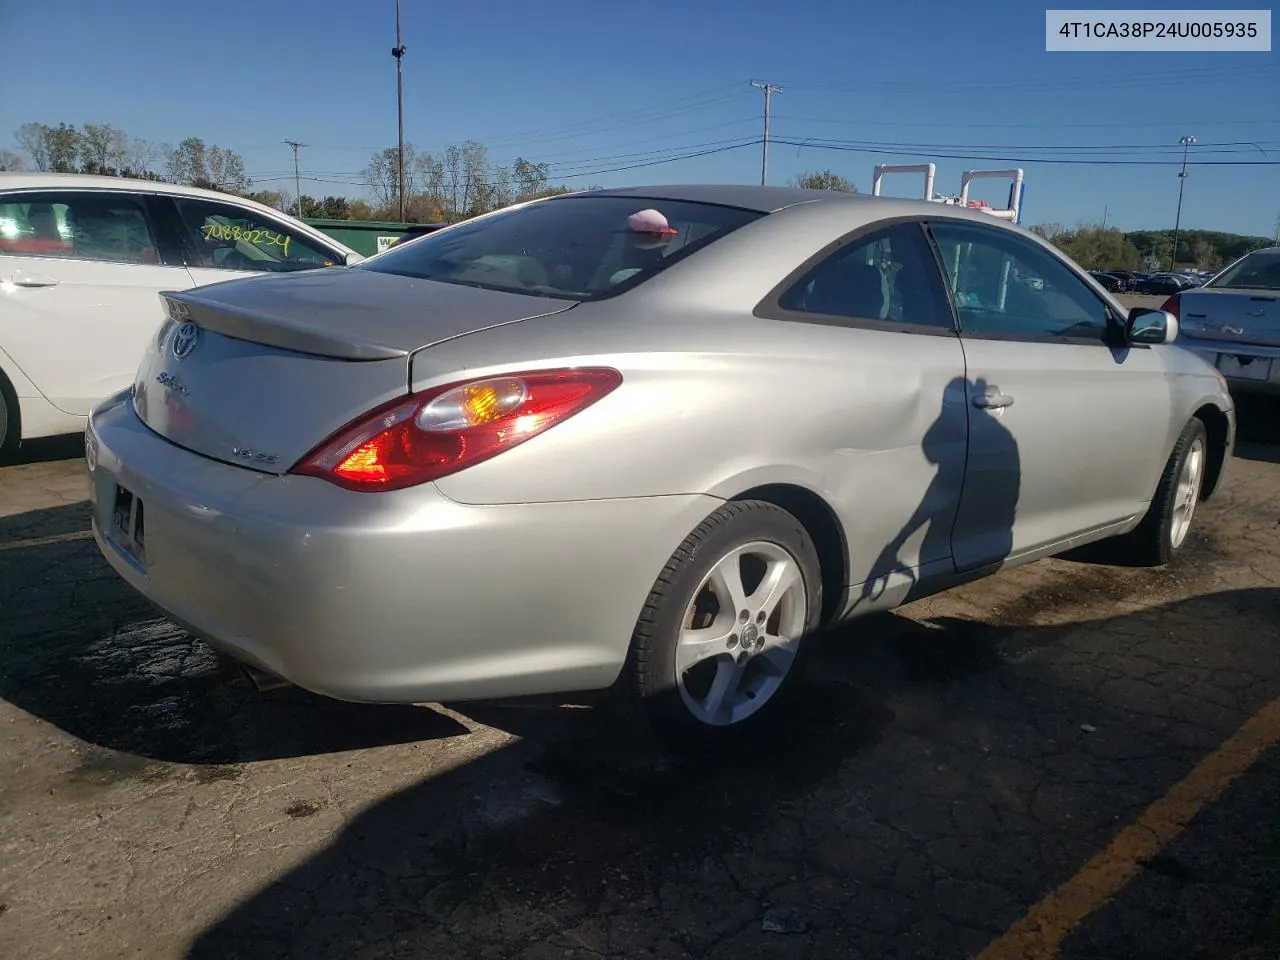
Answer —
(353, 258)
(1144, 325)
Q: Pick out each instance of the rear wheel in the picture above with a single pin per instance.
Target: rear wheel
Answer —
(1163, 532)
(720, 642)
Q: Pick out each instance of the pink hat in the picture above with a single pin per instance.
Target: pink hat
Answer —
(650, 221)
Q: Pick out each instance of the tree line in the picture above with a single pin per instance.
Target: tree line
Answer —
(451, 185)
(1097, 247)
(463, 181)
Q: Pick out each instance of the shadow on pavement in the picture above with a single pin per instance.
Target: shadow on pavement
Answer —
(937, 779)
(81, 650)
(47, 449)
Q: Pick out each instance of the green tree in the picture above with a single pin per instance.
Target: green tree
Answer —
(382, 175)
(1205, 255)
(102, 149)
(529, 177)
(329, 208)
(273, 198)
(1099, 248)
(1049, 231)
(824, 180)
(51, 149)
(212, 167)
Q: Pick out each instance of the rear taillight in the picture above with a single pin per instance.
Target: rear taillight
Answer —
(1171, 305)
(430, 435)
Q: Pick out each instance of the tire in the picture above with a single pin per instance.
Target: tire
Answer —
(10, 434)
(1163, 532)
(669, 684)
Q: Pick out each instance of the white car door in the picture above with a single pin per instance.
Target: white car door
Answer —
(80, 274)
(228, 240)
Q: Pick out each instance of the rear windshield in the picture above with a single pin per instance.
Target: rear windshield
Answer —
(1257, 271)
(578, 248)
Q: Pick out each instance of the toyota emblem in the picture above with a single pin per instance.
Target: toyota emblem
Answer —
(185, 339)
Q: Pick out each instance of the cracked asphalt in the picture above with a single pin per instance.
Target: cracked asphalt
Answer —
(952, 764)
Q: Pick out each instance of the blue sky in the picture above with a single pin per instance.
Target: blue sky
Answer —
(591, 87)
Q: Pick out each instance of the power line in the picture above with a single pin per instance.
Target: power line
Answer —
(769, 90)
(398, 52)
(553, 167)
(1182, 182)
(663, 110)
(1142, 80)
(1238, 146)
(821, 145)
(297, 182)
(969, 125)
(573, 176)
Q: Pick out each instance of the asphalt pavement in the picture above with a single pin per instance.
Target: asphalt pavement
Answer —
(1069, 760)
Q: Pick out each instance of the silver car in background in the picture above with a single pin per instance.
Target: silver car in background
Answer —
(1233, 321)
(649, 440)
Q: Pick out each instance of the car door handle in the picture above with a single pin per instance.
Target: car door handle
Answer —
(992, 401)
(24, 279)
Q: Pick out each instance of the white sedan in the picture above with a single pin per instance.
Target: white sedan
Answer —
(83, 260)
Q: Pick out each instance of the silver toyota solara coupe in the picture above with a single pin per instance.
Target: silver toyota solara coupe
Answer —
(647, 440)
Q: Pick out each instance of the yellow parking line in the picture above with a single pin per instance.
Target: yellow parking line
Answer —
(1039, 934)
(45, 541)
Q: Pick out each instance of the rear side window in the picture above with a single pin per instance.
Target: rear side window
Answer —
(228, 237)
(890, 276)
(577, 248)
(102, 226)
(1257, 271)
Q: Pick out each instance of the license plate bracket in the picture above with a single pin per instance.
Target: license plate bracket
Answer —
(128, 522)
(1256, 368)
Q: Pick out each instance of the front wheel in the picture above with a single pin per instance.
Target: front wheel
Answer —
(1161, 535)
(720, 641)
(9, 437)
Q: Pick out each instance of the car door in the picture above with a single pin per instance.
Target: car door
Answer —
(897, 464)
(81, 270)
(1064, 419)
(226, 240)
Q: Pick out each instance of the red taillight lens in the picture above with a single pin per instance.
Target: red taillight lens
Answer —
(424, 437)
(1171, 305)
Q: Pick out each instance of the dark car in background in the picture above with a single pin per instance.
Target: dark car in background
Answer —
(1110, 282)
(1163, 284)
(1128, 279)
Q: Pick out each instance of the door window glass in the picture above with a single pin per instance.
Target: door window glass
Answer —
(228, 237)
(889, 275)
(106, 226)
(1004, 285)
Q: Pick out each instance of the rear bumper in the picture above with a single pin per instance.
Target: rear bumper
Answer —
(1248, 368)
(400, 597)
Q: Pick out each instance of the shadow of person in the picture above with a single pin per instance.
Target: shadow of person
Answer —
(970, 503)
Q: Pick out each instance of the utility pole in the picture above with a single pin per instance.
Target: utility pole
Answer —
(297, 180)
(1106, 208)
(769, 90)
(398, 52)
(1182, 182)
(1277, 240)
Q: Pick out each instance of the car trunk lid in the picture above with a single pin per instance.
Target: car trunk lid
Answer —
(258, 372)
(1234, 315)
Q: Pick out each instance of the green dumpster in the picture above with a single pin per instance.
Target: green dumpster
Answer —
(366, 237)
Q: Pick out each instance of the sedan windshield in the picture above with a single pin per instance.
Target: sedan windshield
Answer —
(1257, 271)
(578, 248)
